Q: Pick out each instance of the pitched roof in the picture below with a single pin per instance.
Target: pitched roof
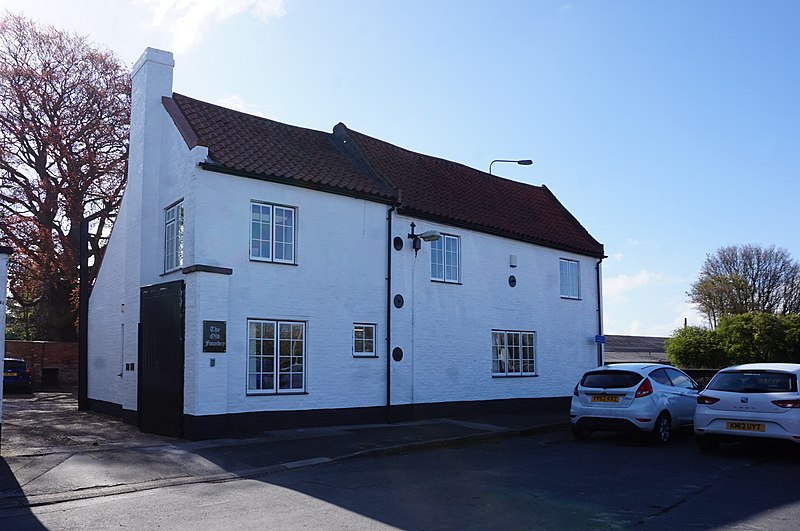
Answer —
(620, 349)
(261, 147)
(443, 189)
(616, 343)
(350, 162)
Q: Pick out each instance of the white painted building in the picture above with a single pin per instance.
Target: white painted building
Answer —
(262, 275)
(5, 253)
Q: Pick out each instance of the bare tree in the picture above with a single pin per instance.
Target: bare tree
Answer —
(64, 117)
(747, 278)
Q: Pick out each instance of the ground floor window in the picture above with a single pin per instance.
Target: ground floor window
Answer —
(513, 353)
(276, 356)
(364, 340)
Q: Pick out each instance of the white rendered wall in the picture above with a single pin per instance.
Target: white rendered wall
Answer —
(3, 308)
(160, 167)
(449, 347)
(339, 279)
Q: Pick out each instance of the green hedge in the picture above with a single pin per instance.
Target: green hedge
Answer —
(745, 338)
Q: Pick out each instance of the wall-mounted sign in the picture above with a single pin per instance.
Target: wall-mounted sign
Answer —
(214, 336)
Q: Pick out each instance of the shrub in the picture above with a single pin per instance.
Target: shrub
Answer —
(696, 347)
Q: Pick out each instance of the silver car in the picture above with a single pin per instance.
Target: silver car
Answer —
(639, 397)
(752, 401)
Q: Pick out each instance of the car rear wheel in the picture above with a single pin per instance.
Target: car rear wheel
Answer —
(663, 428)
(581, 435)
(707, 444)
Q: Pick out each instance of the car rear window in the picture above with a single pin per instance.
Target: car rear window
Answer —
(754, 382)
(14, 365)
(611, 379)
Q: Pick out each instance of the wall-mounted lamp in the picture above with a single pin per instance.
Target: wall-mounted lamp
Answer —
(428, 236)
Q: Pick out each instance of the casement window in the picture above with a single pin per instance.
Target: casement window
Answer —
(445, 259)
(276, 356)
(173, 237)
(570, 279)
(272, 232)
(513, 353)
(364, 340)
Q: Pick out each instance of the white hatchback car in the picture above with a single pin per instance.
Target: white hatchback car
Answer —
(639, 397)
(753, 401)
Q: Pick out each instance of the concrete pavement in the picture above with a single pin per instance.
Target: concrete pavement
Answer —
(50, 452)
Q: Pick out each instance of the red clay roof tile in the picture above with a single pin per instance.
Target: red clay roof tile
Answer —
(351, 162)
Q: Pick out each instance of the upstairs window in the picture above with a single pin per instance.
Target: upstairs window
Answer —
(173, 237)
(570, 279)
(272, 233)
(445, 259)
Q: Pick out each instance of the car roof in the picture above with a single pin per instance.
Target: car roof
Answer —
(632, 366)
(781, 367)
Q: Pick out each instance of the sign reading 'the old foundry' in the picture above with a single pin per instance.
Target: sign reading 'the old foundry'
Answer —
(214, 336)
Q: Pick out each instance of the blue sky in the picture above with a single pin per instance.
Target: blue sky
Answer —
(669, 129)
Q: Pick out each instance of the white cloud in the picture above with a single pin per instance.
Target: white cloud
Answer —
(234, 101)
(615, 287)
(187, 19)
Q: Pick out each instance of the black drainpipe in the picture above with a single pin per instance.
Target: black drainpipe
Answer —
(389, 314)
(599, 314)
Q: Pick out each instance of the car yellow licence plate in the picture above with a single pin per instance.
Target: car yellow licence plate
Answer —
(606, 398)
(745, 426)
(9, 374)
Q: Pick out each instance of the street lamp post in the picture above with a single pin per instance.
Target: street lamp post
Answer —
(522, 162)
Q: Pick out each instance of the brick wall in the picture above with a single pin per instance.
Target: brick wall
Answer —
(59, 361)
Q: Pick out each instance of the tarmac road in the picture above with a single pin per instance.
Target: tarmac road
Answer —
(545, 481)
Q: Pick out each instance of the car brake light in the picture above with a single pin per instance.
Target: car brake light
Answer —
(646, 388)
(707, 400)
(27, 371)
(788, 404)
(575, 391)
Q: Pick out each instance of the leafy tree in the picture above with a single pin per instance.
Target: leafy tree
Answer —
(754, 337)
(24, 323)
(740, 279)
(697, 348)
(64, 116)
(746, 338)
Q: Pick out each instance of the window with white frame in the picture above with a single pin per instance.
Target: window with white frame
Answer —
(272, 232)
(364, 340)
(276, 356)
(173, 237)
(570, 279)
(513, 353)
(445, 258)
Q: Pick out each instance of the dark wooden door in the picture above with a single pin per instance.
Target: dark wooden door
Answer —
(161, 357)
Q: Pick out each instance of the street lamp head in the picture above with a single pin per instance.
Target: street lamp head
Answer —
(521, 162)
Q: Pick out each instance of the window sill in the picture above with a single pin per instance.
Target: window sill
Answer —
(501, 376)
(263, 261)
(435, 281)
(570, 298)
(176, 270)
(273, 393)
(368, 356)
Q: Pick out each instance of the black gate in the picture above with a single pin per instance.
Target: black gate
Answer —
(161, 355)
